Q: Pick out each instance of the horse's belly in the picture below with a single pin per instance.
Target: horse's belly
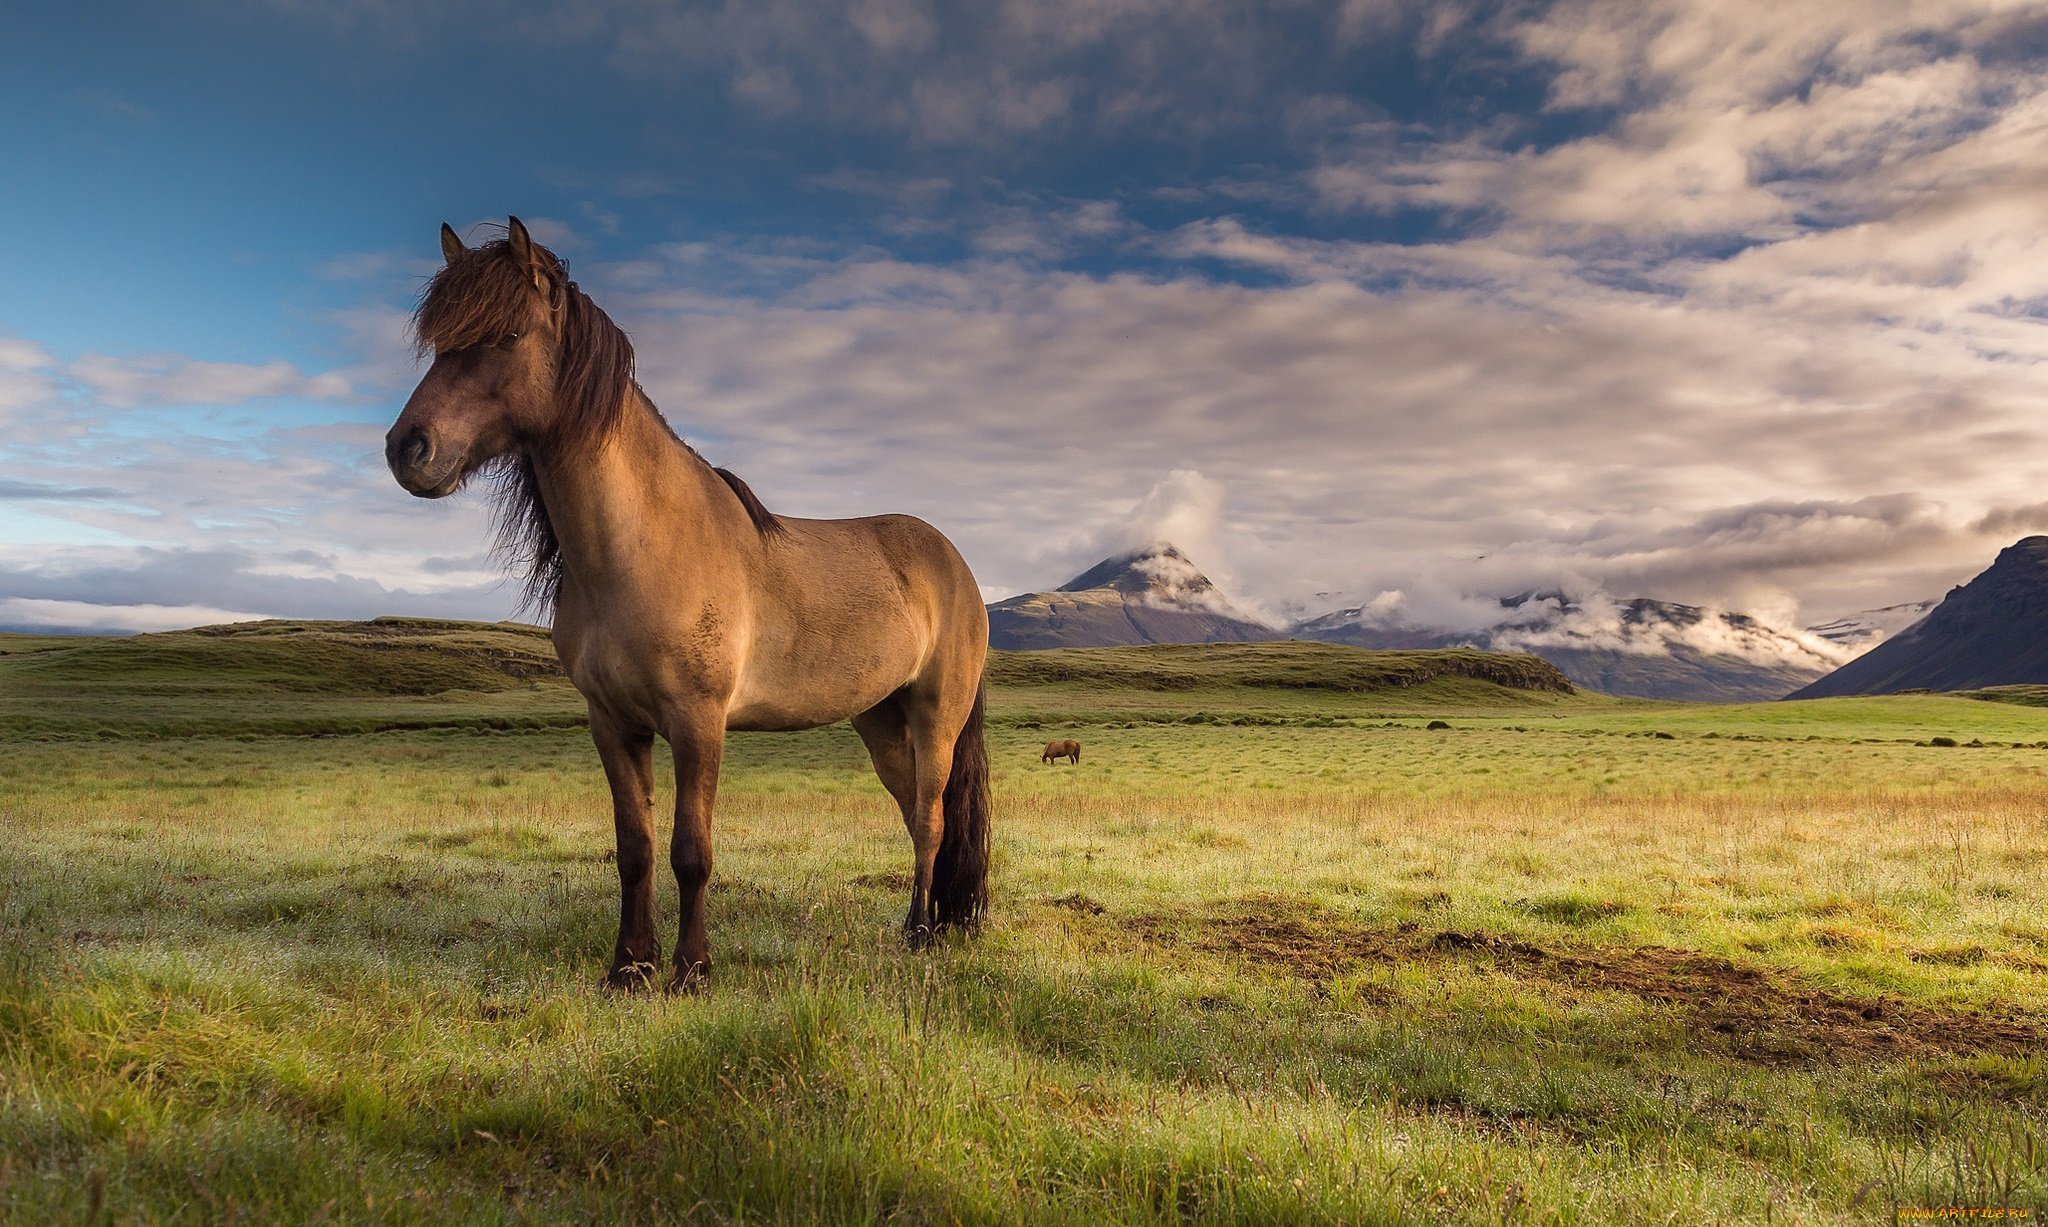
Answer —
(785, 712)
(773, 718)
(786, 695)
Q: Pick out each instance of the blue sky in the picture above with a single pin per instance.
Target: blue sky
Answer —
(1362, 302)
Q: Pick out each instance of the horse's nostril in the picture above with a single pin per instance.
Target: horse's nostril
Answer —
(417, 451)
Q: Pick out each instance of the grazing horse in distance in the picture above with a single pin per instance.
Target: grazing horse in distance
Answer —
(682, 606)
(1061, 749)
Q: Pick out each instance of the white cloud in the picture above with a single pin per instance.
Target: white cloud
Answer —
(1740, 121)
(25, 375)
(1601, 624)
(17, 613)
(174, 379)
(1183, 508)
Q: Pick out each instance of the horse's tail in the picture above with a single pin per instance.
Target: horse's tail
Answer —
(959, 892)
(1077, 752)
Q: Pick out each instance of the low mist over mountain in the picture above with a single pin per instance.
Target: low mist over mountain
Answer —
(1992, 631)
(1860, 632)
(1640, 648)
(1152, 596)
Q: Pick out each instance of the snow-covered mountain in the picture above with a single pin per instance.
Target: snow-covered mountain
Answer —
(1640, 648)
(1153, 595)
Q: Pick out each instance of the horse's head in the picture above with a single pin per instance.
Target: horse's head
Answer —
(521, 358)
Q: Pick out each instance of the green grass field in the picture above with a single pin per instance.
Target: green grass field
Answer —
(1274, 952)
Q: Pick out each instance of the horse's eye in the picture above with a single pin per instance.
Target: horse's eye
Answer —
(509, 341)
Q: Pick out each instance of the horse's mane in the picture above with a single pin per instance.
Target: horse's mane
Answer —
(481, 298)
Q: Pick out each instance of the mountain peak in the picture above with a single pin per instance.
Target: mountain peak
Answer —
(1149, 595)
(1159, 569)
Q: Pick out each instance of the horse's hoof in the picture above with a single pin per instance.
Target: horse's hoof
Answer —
(630, 977)
(917, 937)
(690, 981)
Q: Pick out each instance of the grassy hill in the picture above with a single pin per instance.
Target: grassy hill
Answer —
(268, 679)
(1270, 683)
(404, 673)
(1293, 665)
(285, 678)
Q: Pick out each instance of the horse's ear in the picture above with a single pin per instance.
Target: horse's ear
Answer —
(451, 244)
(522, 251)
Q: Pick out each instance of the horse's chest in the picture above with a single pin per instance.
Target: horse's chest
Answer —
(641, 674)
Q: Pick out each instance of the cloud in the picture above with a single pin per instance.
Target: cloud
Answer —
(114, 106)
(36, 491)
(1016, 75)
(134, 589)
(2005, 521)
(174, 379)
(1449, 423)
(77, 617)
(1711, 125)
(26, 377)
(1599, 623)
(1184, 508)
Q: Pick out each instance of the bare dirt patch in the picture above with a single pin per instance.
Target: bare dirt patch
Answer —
(1761, 1014)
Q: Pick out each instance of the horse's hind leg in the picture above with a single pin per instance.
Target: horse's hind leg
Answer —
(886, 733)
(629, 767)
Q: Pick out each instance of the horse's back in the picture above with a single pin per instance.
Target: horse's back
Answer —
(913, 549)
(846, 612)
(883, 565)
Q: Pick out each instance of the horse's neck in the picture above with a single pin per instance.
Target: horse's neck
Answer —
(612, 498)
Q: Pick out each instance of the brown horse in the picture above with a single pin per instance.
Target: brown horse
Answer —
(1061, 749)
(682, 606)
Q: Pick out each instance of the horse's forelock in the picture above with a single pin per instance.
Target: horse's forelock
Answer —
(484, 296)
(479, 298)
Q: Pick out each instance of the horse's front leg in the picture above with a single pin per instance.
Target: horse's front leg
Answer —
(699, 744)
(628, 757)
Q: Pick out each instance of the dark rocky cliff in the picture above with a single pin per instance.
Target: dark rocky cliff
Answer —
(1992, 631)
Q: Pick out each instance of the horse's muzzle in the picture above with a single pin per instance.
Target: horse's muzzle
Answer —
(411, 457)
